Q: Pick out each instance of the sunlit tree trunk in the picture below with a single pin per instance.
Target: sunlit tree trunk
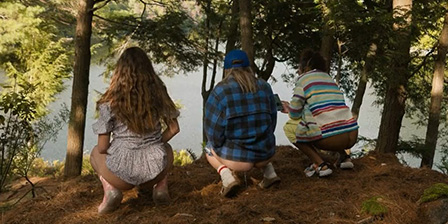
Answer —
(436, 98)
(395, 99)
(247, 42)
(362, 85)
(76, 126)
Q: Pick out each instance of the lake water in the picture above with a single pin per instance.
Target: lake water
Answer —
(186, 89)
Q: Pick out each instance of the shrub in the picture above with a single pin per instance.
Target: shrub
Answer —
(183, 157)
(87, 168)
(436, 191)
(374, 206)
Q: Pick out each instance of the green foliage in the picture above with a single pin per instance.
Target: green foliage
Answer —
(23, 134)
(183, 157)
(43, 168)
(374, 206)
(436, 191)
(32, 53)
(162, 30)
(87, 168)
(285, 28)
(16, 131)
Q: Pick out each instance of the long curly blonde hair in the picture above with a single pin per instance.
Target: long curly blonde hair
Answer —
(136, 95)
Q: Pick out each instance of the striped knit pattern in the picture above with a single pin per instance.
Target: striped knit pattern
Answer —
(319, 105)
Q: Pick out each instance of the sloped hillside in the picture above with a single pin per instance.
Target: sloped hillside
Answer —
(194, 190)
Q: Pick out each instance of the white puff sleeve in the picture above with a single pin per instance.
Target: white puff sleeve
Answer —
(105, 123)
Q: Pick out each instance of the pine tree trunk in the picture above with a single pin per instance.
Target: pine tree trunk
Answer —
(232, 36)
(205, 62)
(247, 42)
(436, 99)
(326, 47)
(75, 138)
(362, 85)
(394, 105)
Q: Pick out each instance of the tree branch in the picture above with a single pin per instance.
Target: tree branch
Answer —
(99, 7)
(424, 61)
(158, 3)
(112, 21)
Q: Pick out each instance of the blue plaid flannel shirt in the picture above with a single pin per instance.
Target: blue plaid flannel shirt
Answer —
(240, 126)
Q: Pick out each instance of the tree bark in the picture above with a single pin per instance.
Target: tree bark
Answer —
(75, 138)
(395, 99)
(247, 42)
(326, 47)
(432, 131)
(205, 62)
(269, 61)
(232, 36)
(362, 85)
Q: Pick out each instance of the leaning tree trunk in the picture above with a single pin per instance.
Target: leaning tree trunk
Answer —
(394, 105)
(362, 85)
(247, 42)
(76, 126)
(436, 99)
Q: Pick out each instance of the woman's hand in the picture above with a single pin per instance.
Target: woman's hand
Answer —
(285, 105)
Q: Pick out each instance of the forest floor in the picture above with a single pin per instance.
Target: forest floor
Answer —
(194, 191)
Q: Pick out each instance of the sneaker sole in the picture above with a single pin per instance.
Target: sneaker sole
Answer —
(231, 190)
(347, 165)
(325, 173)
(267, 183)
(112, 204)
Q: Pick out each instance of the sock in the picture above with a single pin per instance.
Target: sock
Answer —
(268, 171)
(226, 175)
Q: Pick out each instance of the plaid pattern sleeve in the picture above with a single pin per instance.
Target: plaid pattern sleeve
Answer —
(214, 123)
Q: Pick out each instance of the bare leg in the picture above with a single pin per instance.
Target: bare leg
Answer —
(98, 162)
(308, 150)
(112, 185)
(217, 161)
(159, 185)
(230, 182)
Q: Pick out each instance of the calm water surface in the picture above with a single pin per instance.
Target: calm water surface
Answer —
(186, 90)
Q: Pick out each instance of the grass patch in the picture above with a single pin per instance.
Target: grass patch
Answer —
(374, 206)
(434, 192)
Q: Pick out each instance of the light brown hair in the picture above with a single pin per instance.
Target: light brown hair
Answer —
(244, 77)
(136, 95)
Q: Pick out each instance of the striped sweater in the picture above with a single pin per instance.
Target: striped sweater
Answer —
(319, 107)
